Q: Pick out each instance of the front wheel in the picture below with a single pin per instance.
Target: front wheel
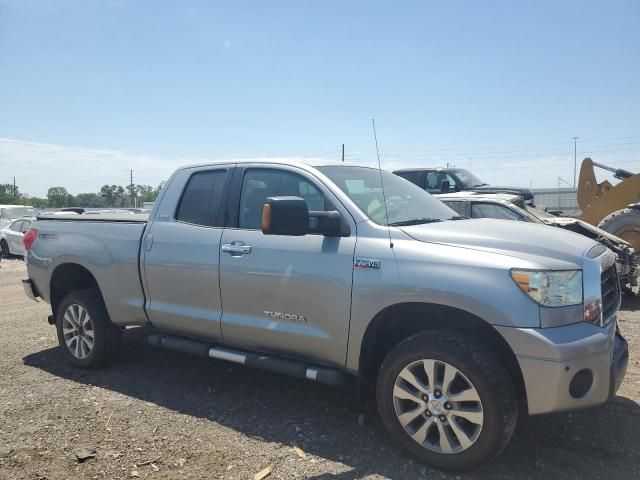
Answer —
(446, 399)
(85, 332)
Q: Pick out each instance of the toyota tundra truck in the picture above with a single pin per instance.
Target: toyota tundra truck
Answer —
(347, 275)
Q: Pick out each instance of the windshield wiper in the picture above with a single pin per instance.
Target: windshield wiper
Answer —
(414, 221)
(458, 217)
(479, 185)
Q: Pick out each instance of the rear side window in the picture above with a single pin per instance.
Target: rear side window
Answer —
(25, 226)
(16, 226)
(457, 205)
(200, 201)
(413, 177)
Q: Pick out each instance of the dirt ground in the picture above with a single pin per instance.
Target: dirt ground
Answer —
(158, 414)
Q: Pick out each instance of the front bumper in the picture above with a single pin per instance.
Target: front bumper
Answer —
(571, 367)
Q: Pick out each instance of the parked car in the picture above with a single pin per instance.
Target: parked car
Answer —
(456, 327)
(9, 213)
(445, 180)
(505, 207)
(11, 237)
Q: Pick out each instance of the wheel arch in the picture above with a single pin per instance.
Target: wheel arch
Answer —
(69, 277)
(400, 321)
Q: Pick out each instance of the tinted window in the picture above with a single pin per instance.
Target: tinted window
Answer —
(201, 198)
(493, 210)
(458, 206)
(434, 181)
(413, 177)
(260, 184)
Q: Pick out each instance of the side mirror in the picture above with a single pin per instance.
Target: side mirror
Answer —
(291, 216)
(445, 186)
(285, 216)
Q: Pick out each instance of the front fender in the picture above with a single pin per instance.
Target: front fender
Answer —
(415, 272)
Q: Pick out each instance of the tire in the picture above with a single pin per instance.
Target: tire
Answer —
(97, 342)
(625, 224)
(4, 249)
(477, 374)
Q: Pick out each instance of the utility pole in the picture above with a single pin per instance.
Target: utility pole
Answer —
(343, 152)
(575, 159)
(131, 189)
(14, 187)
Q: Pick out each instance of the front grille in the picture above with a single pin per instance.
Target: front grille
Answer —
(610, 288)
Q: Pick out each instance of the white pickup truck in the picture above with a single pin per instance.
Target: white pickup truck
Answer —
(459, 326)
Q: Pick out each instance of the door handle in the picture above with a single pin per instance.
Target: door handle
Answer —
(235, 249)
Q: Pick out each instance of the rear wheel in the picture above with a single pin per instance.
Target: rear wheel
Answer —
(446, 399)
(625, 224)
(4, 249)
(85, 332)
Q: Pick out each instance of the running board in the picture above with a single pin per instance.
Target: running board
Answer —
(284, 366)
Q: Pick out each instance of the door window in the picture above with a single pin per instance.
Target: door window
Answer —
(25, 226)
(16, 226)
(493, 210)
(434, 181)
(200, 201)
(258, 184)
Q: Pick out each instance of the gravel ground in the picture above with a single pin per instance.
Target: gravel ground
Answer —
(158, 414)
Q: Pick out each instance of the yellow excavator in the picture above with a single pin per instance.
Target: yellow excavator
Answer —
(613, 208)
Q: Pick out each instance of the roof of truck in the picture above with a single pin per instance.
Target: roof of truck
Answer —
(300, 162)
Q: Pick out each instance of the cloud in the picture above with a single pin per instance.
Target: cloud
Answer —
(38, 166)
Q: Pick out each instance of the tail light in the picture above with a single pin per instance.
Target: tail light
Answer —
(29, 238)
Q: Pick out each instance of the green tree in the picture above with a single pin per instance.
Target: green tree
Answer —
(9, 193)
(58, 197)
(90, 200)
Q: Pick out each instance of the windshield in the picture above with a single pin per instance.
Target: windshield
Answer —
(17, 212)
(406, 203)
(468, 178)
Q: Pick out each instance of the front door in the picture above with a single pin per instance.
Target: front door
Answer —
(181, 253)
(14, 238)
(281, 293)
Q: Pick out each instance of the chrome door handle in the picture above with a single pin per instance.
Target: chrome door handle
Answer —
(235, 249)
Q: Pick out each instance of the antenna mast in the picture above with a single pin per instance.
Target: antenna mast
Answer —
(384, 198)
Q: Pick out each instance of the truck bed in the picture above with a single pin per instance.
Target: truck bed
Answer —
(107, 246)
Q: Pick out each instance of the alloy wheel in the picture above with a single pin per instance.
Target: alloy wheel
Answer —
(78, 331)
(438, 406)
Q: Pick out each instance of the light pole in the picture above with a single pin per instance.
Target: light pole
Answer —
(575, 159)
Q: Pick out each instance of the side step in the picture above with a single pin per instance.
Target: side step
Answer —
(284, 366)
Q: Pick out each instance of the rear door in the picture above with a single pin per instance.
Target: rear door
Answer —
(286, 294)
(181, 252)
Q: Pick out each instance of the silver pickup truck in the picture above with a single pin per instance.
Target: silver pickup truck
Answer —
(459, 326)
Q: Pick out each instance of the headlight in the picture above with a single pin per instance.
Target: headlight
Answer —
(557, 288)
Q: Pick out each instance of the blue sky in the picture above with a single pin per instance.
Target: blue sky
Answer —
(497, 86)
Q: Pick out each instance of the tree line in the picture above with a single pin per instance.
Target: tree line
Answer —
(109, 196)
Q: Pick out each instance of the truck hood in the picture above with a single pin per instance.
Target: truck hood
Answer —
(523, 240)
